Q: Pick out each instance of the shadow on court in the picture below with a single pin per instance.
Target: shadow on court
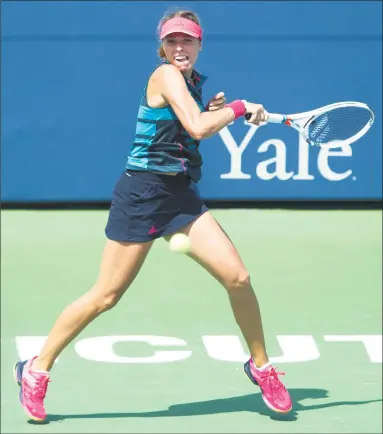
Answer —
(251, 403)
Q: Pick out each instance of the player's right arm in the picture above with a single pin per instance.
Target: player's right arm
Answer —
(170, 83)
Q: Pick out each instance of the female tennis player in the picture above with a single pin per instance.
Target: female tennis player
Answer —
(154, 198)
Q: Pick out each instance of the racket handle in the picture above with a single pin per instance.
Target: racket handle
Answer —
(273, 117)
(276, 119)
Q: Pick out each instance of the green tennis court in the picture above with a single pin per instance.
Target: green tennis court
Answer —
(169, 357)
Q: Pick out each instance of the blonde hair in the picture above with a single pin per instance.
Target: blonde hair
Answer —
(190, 15)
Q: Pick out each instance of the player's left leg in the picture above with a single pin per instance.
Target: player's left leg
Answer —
(213, 249)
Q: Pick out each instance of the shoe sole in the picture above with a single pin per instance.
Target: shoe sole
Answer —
(265, 400)
(36, 419)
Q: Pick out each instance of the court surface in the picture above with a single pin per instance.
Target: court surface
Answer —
(169, 357)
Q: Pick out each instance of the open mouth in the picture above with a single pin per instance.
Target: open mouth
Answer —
(181, 59)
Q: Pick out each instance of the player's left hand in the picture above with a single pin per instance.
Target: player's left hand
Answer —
(216, 103)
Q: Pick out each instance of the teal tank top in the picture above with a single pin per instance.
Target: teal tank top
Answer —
(161, 144)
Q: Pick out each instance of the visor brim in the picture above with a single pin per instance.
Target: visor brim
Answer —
(180, 30)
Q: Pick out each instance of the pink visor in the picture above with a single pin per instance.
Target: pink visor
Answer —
(181, 25)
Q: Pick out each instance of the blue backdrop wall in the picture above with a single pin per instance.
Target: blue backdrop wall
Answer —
(73, 73)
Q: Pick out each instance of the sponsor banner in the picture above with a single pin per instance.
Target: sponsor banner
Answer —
(73, 74)
(271, 163)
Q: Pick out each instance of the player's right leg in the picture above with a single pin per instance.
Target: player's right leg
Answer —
(120, 264)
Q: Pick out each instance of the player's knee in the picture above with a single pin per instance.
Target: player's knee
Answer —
(109, 302)
(106, 300)
(238, 282)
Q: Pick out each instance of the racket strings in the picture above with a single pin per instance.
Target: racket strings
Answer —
(338, 125)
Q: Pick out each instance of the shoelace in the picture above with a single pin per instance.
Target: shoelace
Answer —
(41, 387)
(277, 387)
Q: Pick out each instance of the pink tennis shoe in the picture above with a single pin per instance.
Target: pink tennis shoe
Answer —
(274, 393)
(33, 388)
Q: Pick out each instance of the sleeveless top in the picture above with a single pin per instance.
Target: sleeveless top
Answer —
(161, 144)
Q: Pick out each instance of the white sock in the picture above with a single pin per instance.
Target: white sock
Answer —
(40, 371)
(262, 368)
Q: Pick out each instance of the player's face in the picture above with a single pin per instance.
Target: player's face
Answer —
(181, 51)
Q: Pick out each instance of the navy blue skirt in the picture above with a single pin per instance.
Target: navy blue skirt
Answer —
(147, 205)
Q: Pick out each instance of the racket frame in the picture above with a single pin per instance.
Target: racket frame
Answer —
(302, 121)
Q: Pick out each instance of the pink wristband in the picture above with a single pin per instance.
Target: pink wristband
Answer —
(238, 108)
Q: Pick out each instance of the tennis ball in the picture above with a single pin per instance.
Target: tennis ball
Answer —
(180, 243)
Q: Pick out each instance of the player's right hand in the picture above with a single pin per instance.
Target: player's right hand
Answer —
(258, 113)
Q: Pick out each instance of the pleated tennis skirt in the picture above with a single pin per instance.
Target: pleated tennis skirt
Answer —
(147, 205)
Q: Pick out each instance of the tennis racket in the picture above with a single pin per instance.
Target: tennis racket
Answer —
(332, 126)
